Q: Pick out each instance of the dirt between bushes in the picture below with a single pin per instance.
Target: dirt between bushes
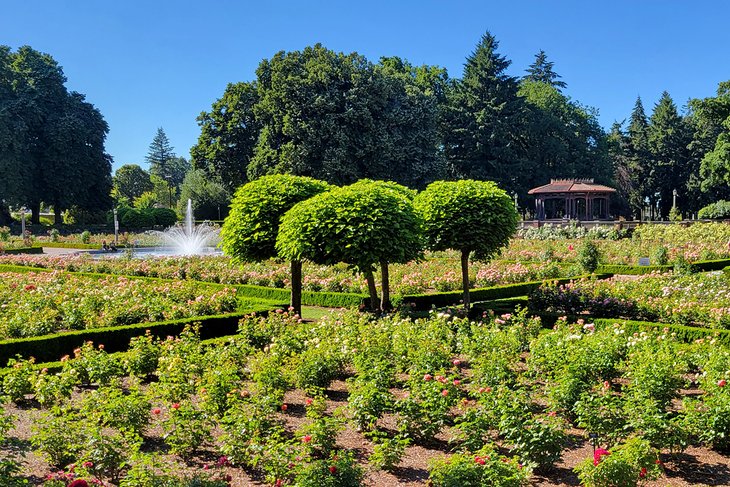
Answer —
(694, 467)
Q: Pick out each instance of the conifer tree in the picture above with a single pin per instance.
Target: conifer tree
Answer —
(484, 120)
(668, 140)
(542, 70)
(162, 160)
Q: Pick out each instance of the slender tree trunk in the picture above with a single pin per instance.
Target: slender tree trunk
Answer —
(296, 286)
(35, 217)
(372, 290)
(385, 287)
(5, 218)
(465, 276)
(57, 217)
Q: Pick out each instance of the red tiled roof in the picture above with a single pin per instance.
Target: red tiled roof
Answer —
(571, 186)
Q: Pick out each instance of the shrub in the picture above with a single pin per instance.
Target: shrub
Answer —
(134, 218)
(588, 256)
(715, 211)
(661, 256)
(85, 237)
(629, 464)
(486, 467)
(164, 217)
(339, 470)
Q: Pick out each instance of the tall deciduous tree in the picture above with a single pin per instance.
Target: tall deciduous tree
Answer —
(130, 181)
(484, 135)
(250, 231)
(338, 117)
(228, 135)
(476, 218)
(564, 140)
(542, 70)
(58, 136)
(712, 136)
(209, 198)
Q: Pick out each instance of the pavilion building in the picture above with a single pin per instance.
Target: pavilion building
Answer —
(572, 199)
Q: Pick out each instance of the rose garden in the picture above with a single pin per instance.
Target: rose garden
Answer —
(372, 335)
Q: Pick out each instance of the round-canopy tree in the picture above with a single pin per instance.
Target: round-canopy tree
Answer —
(473, 217)
(366, 224)
(250, 230)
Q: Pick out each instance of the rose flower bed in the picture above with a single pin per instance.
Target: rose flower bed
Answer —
(697, 299)
(352, 401)
(438, 272)
(33, 304)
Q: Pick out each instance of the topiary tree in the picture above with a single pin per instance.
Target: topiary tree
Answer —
(473, 217)
(249, 232)
(366, 224)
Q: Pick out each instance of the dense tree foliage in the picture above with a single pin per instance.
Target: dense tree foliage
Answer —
(209, 198)
(51, 140)
(228, 135)
(340, 118)
(476, 218)
(250, 231)
(563, 139)
(712, 135)
(366, 224)
(131, 181)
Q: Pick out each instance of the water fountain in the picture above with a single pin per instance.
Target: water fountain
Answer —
(190, 239)
(186, 239)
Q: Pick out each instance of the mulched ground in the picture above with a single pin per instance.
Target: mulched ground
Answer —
(694, 467)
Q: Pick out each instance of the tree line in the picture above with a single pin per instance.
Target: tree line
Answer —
(341, 118)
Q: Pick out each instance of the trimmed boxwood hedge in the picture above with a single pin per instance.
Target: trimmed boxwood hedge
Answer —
(698, 266)
(23, 250)
(309, 298)
(52, 347)
(422, 302)
(685, 333)
(634, 269)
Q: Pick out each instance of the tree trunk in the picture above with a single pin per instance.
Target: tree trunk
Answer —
(296, 286)
(465, 276)
(35, 217)
(372, 290)
(385, 287)
(5, 218)
(57, 217)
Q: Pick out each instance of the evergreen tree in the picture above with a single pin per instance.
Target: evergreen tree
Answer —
(161, 159)
(542, 70)
(638, 161)
(485, 121)
(668, 140)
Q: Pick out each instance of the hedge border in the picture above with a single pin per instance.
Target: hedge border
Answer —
(22, 250)
(423, 302)
(685, 333)
(49, 348)
(698, 266)
(309, 298)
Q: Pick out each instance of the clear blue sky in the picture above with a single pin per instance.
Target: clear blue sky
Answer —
(149, 64)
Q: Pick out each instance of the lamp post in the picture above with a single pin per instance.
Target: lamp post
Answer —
(674, 198)
(116, 229)
(22, 221)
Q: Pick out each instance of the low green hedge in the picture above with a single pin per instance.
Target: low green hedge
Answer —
(309, 298)
(685, 333)
(421, 302)
(49, 348)
(698, 266)
(634, 269)
(23, 250)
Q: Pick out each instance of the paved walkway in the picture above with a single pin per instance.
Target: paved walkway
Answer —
(59, 251)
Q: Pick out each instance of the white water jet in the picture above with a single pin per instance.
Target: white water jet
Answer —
(191, 239)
